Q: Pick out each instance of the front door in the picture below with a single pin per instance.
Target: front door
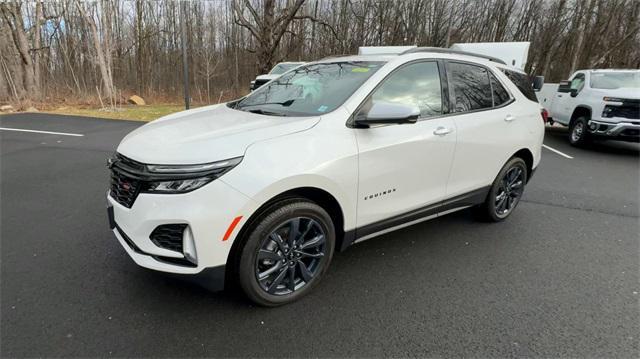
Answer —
(404, 168)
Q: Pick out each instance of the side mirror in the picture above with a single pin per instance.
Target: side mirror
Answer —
(574, 92)
(389, 113)
(538, 81)
(564, 86)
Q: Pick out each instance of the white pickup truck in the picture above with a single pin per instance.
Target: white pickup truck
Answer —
(595, 104)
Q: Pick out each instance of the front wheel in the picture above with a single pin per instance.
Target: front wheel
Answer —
(578, 133)
(505, 193)
(286, 253)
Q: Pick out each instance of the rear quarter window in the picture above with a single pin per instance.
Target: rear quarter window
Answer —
(523, 83)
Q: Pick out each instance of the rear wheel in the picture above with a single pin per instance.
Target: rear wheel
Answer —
(506, 191)
(286, 253)
(578, 132)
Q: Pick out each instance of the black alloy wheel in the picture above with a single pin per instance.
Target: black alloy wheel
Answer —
(510, 191)
(505, 192)
(291, 256)
(286, 251)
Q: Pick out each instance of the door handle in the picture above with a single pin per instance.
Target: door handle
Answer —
(441, 131)
(509, 118)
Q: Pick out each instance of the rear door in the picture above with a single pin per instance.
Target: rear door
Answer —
(403, 168)
(489, 127)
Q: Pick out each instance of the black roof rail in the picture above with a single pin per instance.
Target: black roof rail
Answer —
(441, 50)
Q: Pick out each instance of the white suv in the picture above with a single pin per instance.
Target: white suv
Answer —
(261, 191)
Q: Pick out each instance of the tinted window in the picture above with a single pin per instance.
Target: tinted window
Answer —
(523, 83)
(309, 90)
(500, 95)
(471, 88)
(416, 85)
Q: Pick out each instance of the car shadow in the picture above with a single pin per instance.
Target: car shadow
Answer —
(603, 146)
(392, 249)
(346, 267)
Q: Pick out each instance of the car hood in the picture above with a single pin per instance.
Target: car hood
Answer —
(206, 134)
(267, 77)
(626, 93)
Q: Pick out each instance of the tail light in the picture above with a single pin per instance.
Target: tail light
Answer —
(545, 115)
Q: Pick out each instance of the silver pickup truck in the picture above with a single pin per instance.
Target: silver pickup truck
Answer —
(595, 104)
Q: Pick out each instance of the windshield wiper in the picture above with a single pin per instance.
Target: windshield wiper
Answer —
(265, 112)
(283, 104)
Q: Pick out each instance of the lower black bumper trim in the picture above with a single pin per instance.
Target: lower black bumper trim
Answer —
(211, 278)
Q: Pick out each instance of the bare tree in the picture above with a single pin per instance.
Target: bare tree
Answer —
(12, 14)
(266, 28)
(102, 51)
(63, 49)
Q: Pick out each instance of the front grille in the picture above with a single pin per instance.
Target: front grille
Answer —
(124, 189)
(168, 236)
(125, 180)
(629, 109)
(630, 132)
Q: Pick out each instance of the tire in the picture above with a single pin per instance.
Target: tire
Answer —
(579, 133)
(269, 257)
(492, 210)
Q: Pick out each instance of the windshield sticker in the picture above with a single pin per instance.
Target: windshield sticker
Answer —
(360, 69)
(323, 108)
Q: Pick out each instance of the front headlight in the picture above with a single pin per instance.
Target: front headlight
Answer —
(179, 186)
(186, 178)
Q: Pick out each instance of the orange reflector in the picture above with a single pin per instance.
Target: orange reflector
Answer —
(232, 226)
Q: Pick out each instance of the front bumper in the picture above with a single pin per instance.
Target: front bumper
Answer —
(623, 130)
(207, 212)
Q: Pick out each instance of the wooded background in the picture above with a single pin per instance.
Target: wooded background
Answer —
(101, 51)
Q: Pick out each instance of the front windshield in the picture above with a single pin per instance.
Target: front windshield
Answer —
(282, 68)
(309, 90)
(615, 80)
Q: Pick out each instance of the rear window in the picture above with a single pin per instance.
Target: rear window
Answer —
(471, 87)
(523, 83)
(500, 95)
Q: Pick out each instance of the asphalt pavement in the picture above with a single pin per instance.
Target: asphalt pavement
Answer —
(559, 278)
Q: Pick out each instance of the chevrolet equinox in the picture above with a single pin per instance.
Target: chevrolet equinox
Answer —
(262, 191)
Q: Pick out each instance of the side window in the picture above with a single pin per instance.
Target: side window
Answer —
(500, 95)
(471, 87)
(415, 84)
(578, 82)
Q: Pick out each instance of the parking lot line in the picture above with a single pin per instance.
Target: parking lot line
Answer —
(38, 131)
(558, 152)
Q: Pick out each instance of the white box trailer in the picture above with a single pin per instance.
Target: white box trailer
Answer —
(383, 50)
(512, 53)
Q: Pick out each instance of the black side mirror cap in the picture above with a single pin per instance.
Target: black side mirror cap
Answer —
(384, 113)
(538, 82)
